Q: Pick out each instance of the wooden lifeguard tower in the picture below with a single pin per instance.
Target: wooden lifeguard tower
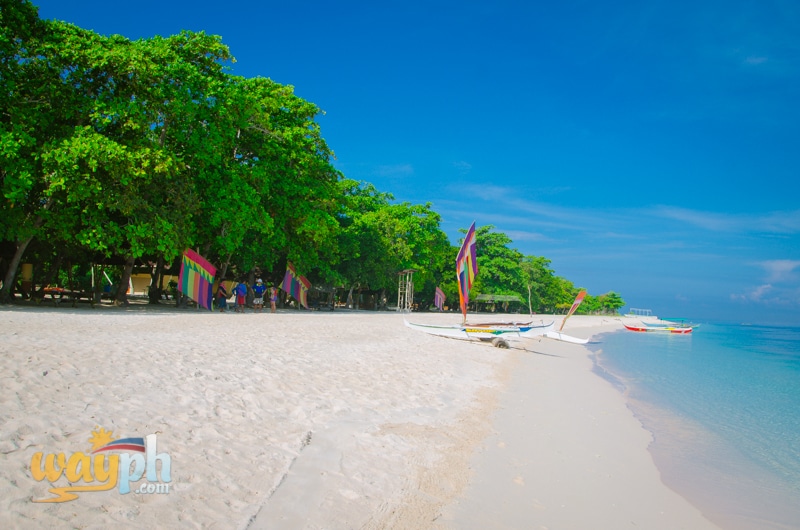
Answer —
(405, 290)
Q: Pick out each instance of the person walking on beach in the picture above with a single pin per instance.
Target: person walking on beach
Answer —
(241, 295)
(273, 298)
(222, 296)
(258, 292)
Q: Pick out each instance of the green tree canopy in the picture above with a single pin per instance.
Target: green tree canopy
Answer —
(129, 152)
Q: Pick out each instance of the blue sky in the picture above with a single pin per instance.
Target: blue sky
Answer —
(649, 148)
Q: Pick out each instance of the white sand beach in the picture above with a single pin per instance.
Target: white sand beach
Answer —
(317, 420)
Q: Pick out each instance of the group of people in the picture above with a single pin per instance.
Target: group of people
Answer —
(240, 291)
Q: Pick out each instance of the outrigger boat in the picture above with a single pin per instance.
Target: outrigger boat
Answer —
(644, 328)
(498, 333)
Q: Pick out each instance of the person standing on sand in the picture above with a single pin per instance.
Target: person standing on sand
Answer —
(222, 296)
(258, 292)
(241, 295)
(273, 298)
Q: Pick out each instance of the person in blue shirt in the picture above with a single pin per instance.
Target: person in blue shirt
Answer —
(241, 295)
(258, 292)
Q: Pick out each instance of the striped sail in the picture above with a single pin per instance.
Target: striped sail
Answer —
(466, 268)
(575, 304)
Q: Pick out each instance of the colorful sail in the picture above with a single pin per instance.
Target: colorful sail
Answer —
(296, 285)
(575, 304)
(439, 298)
(196, 278)
(466, 268)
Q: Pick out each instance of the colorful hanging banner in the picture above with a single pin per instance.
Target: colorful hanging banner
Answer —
(296, 285)
(439, 298)
(196, 278)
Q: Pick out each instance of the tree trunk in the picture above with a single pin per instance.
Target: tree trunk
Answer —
(7, 292)
(97, 285)
(70, 286)
(124, 282)
(161, 274)
(154, 293)
(251, 281)
(530, 308)
(225, 266)
(381, 305)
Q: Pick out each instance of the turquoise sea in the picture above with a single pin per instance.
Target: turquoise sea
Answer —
(723, 405)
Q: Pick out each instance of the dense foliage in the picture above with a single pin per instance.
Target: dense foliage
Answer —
(124, 153)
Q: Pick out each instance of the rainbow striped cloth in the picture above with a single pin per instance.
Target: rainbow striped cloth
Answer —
(196, 278)
(466, 268)
(439, 298)
(296, 285)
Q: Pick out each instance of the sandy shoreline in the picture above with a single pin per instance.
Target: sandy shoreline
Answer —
(317, 420)
(566, 452)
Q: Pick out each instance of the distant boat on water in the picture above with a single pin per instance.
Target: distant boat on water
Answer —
(646, 321)
(662, 328)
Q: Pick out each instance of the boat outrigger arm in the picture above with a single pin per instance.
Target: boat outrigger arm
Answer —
(557, 335)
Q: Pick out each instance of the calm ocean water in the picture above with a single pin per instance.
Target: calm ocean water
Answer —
(723, 405)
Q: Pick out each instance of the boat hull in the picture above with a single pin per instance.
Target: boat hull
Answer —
(659, 329)
(557, 335)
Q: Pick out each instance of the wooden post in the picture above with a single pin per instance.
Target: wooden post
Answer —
(405, 290)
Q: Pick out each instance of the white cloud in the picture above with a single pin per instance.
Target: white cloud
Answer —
(463, 167)
(709, 221)
(755, 60)
(770, 295)
(759, 292)
(395, 170)
(520, 235)
(780, 270)
(753, 295)
(780, 287)
(780, 222)
(772, 222)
